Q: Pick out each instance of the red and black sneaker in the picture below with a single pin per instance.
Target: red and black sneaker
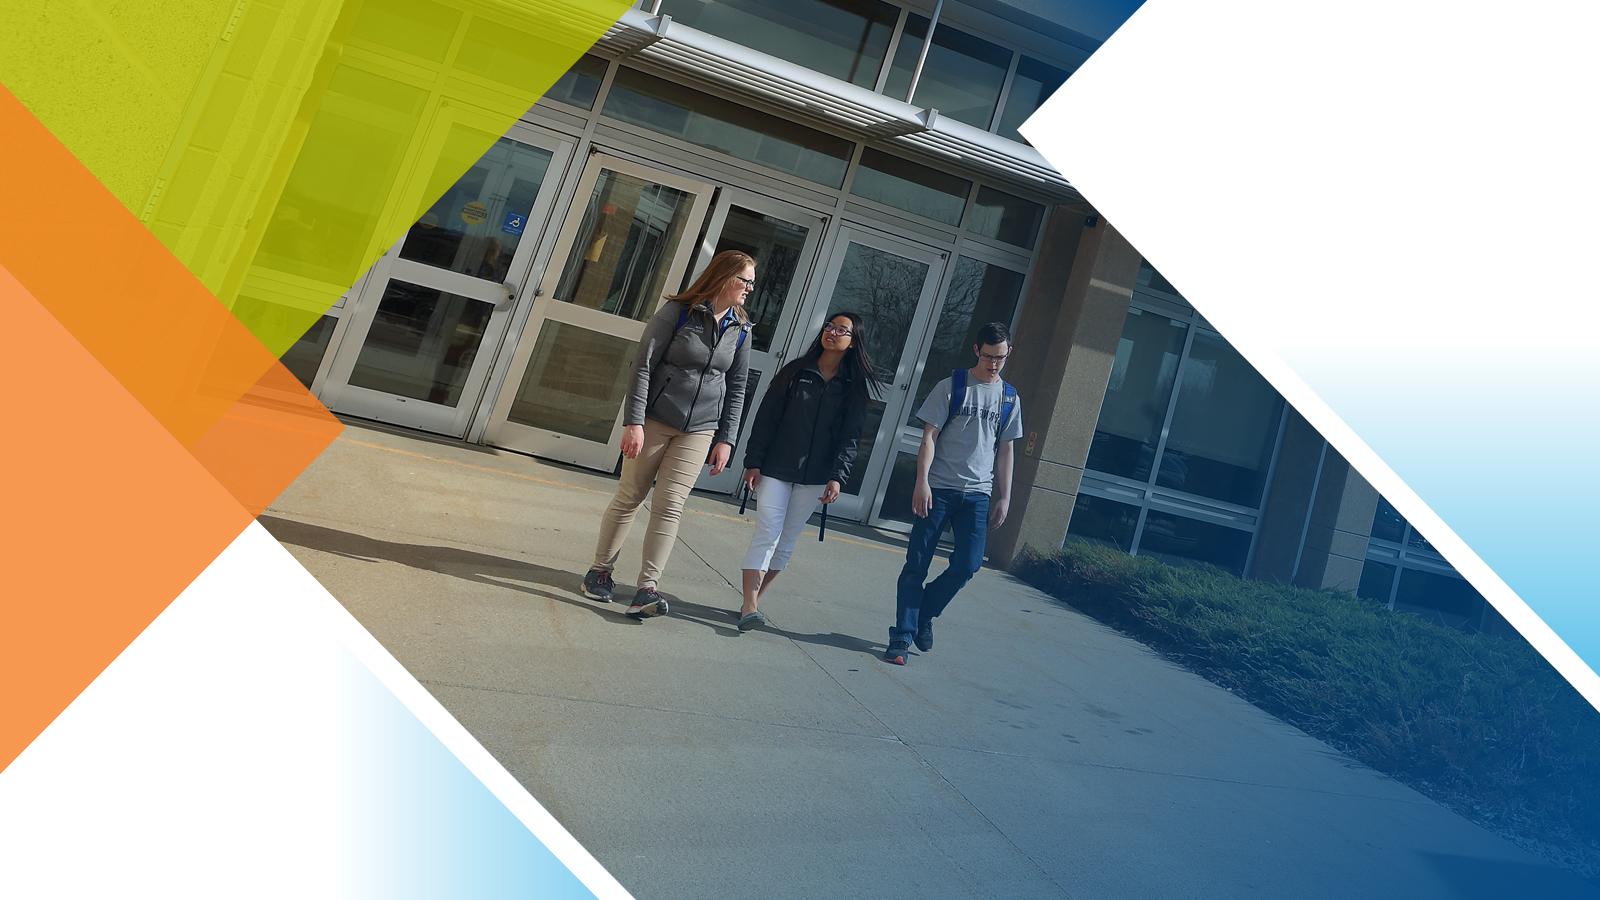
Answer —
(597, 585)
(647, 603)
(896, 654)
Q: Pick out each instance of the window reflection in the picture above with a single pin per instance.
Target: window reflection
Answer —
(581, 83)
(979, 293)
(884, 288)
(631, 228)
(1387, 523)
(365, 117)
(575, 382)
(1446, 599)
(1003, 217)
(1030, 88)
(776, 246)
(897, 496)
(843, 38)
(1106, 521)
(475, 226)
(727, 127)
(914, 188)
(1174, 538)
(305, 357)
(1377, 582)
(422, 343)
(961, 78)
(1223, 427)
(1135, 405)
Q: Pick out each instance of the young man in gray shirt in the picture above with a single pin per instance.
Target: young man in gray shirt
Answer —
(963, 480)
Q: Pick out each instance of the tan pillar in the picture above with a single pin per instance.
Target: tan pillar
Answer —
(1066, 340)
(1317, 520)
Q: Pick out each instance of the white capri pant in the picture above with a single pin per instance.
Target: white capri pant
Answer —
(781, 513)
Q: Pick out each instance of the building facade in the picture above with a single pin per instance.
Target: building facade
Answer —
(866, 153)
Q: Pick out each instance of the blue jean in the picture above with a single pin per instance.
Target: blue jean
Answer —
(967, 514)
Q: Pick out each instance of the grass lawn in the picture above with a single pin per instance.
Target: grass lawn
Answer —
(1480, 723)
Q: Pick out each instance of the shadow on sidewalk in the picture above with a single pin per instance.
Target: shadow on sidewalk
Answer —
(526, 577)
(724, 621)
(468, 565)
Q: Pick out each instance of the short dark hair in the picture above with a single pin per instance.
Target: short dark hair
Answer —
(993, 333)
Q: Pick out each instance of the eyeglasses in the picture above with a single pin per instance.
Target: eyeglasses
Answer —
(992, 357)
(838, 330)
(748, 282)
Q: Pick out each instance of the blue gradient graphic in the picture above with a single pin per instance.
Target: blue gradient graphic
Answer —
(1443, 340)
(1507, 461)
(419, 824)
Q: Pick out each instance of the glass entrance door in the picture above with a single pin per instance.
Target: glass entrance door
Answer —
(980, 287)
(783, 239)
(434, 310)
(891, 283)
(626, 244)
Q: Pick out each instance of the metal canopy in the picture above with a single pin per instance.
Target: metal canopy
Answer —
(654, 43)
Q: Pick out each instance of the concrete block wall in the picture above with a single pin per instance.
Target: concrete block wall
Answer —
(1066, 340)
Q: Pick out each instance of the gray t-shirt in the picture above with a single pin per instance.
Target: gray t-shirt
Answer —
(963, 458)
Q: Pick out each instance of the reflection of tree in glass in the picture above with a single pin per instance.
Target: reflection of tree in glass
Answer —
(774, 275)
(978, 294)
(884, 288)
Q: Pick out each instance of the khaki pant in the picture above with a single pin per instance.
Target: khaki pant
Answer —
(672, 460)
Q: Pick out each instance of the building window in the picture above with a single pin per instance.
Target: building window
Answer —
(1186, 435)
(847, 39)
(961, 78)
(727, 127)
(1178, 539)
(1030, 88)
(581, 83)
(1403, 571)
(1221, 434)
(979, 293)
(1135, 407)
(305, 357)
(908, 186)
(1150, 280)
(1002, 217)
(1106, 521)
(1377, 581)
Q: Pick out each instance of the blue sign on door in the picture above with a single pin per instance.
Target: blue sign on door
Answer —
(514, 223)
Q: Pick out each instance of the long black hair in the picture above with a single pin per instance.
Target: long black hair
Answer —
(865, 383)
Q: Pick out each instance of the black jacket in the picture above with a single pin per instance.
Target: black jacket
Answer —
(807, 431)
(691, 377)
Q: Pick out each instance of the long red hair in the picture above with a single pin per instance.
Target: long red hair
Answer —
(724, 267)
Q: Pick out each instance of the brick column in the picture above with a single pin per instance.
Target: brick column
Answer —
(1066, 340)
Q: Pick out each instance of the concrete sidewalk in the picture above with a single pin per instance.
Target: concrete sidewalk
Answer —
(1034, 753)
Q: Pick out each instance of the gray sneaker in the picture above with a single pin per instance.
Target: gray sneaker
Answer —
(754, 620)
(597, 585)
(647, 604)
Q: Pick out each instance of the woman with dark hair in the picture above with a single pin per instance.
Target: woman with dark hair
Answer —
(682, 412)
(805, 434)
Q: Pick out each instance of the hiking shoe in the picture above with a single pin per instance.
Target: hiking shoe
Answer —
(597, 585)
(755, 619)
(896, 654)
(924, 638)
(647, 604)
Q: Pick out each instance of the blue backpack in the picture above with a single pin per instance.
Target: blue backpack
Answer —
(958, 394)
(683, 316)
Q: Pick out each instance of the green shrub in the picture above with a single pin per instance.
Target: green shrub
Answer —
(1479, 722)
